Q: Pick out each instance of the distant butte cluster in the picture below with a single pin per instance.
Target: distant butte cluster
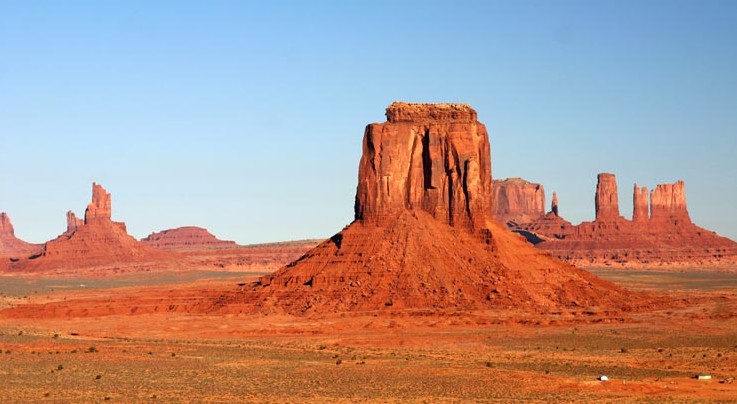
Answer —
(660, 233)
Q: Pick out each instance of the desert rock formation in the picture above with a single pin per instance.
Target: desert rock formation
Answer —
(516, 200)
(428, 157)
(662, 236)
(96, 242)
(73, 223)
(11, 246)
(186, 238)
(423, 199)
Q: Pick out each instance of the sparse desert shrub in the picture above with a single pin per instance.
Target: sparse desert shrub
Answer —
(92, 350)
(60, 367)
(98, 377)
(623, 350)
(338, 362)
(489, 365)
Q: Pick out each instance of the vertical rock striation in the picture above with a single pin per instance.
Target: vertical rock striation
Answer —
(640, 212)
(607, 199)
(432, 157)
(668, 203)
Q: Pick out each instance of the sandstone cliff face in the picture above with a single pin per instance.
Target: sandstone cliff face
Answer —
(186, 238)
(554, 204)
(73, 223)
(433, 157)
(640, 212)
(11, 245)
(100, 208)
(607, 198)
(668, 203)
(424, 189)
(516, 200)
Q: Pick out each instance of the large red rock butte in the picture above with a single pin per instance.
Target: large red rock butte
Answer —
(11, 246)
(660, 236)
(516, 200)
(423, 237)
(186, 239)
(96, 242)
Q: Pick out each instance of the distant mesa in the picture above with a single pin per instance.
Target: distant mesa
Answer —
(11, 246)
(185, 239)
(518, 201)
(423, 237)
(660, 233)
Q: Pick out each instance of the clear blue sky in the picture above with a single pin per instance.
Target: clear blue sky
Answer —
(247, 117)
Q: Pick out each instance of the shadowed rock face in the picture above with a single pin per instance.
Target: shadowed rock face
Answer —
(424, 192)
(554, 204)
(517, 200)
(607, 199)
(433, 157)
(11, 245)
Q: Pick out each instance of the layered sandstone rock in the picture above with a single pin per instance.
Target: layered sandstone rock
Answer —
(664, 238)
(607, 198)
(186, 238)
(11, 246)
(554, 204)
(423, 194)
(518, 201)
(433, 157)
(668, 203)
(640, 213)
(73, 223)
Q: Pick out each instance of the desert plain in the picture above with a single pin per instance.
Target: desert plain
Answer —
(482, 356)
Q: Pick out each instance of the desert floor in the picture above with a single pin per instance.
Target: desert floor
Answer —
(413, 357)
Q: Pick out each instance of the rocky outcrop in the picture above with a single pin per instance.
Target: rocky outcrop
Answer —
(433, 157)
(423, 194)
(97, 242)
(668, 203)
(640, 213)
(664, 238)
(516, 200)
(100, 209)
(554, 204)
(73, 223)
(11, 246)
(186, 238)
(607, 198)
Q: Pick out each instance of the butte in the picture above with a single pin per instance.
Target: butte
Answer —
(96, 243)
(423, 237)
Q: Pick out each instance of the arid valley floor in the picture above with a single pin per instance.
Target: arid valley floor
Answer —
(169, 356)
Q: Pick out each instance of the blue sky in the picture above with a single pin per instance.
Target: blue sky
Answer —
(246, 117)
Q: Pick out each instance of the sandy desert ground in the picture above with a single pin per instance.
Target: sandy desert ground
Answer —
(402, 357)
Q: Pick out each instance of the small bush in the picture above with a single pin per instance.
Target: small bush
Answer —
(338, 362)
(60, 367)
(98, 377)
(623, 350)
